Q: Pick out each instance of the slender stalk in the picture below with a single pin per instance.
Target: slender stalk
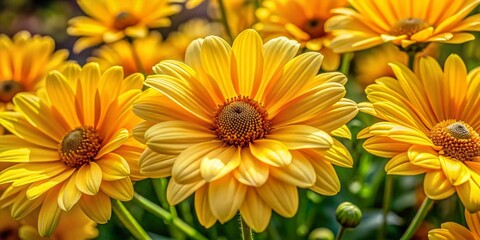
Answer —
(136, 57)
(387, 199)
(246, 230)
(411, 59)
(128, 221)
(160, 187)
(418, 219)
(223, 11)
(340, 233)
(167, 216)
(346, 60)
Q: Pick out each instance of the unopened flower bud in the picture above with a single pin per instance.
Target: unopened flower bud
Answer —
(348, 215)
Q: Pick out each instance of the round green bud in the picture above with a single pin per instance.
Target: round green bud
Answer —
(348, 215)
(321, 234)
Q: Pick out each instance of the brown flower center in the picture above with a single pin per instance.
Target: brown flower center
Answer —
(241, 120)
(124, 20)
(408, 26)
(457, 139)
(79, 146)
(8, 89)
(314, 28)
(9, 233)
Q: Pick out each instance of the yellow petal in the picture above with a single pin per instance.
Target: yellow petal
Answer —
(301, 136)
(117, 140)
(251, 171)
(335, 116)
(69, 194)
(255, 212)
(89, 178)
(409, 135)
(22, 206)
(424, 157)
(469, 194)
(86, 91)
(281, 197)
(109, 87)
(401, 165)
(25, 173)
(113, 166)
(186, 167)
(98, 207)
(18, 125)
(49, 214)
(343, 132)
(156, 165)
(299, 172)
(456, 77)
(219, 162)
(271, 152)
(119, 189)
(38, 188)
(173, 137)
(248, 51)
(327, 182)
(437, 186)
(60, 91)
(473, 221)
(202, 207)
(177, 192)
(338, 155)
(455, 171)
(225, 197)
(385, 147)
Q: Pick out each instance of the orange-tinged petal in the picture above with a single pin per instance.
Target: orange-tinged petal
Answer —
(156, 165)
(281, 197)
(338, 155)
(114, 167)
(299, 172)
(271, 152)
(455, 171)
(89, 178)
(22, 206)
(98, 207)
(177, 192)
(117, 140)
(251, 171)
(327, 182)
(60, 91)
(25, 173)
(86, 91)
(49, 214)
(202, 207)
(401, 165)
(409, 135)
(424, 157)
(437, 186)
(18, 125)
(225, 197)
(385, 147)
(473, 221)
(38, 188)
(469, 194)
(254, 211)
(334, 116)
(119, 189)
(301, 136)
(219, 162)
(69, 194)
(186, 167)
(248, 51)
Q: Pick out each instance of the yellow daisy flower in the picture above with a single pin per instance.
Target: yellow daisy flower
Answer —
(111, 21)
(302, 20)
(19, 68)
(178, 41)
(150, 51)
(409, 24)
(455, 231)
(243, 127)
(430, 126)
(71, 145)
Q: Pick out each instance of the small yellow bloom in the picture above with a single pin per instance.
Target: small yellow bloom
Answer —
(455, 231)
(430, 126)
(20, 70)
(409, 24)
(71, 145)
(243, 127)
(302, 20)
(150, 51)
(110, 20)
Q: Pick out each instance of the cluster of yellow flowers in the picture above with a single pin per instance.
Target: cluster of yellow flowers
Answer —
(240, 126)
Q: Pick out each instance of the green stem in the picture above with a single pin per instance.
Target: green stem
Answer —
(160, 187)
(223, 11)
(340, 233)
(128, 221)
(246, 230)
(387, 198)
(167, 216)
(418, 219)
(346, 60)
(411, 59)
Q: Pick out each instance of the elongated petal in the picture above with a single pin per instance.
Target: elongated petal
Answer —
(220, 162)
(401, 165)
(156, 165)
(301, 136)
(248, 51)
(178, 192)
(271, 152)
(424, 157)
(281, 197)
(202, 207)
(49, 214)
(59, 91)
(437, 186)
(455, 171)
(113, 167)
(251, 171)
(254, 211)
(98, 207)
(117, 140)
(89, 178)
(225, 196)
(69, 194)
(38, 188)
(299, 172)
(327, 182)
(119, 189)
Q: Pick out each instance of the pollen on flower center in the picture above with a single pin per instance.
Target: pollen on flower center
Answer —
(314, 28)
(457, 139)
(408, 26)
(79, 146)
(124, 20)
(241, 120)
(8, 89)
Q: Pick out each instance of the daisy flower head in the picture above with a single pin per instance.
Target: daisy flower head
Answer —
(19, 68)
(409, 24)
(109, 21)
(242, 127)
(451, 230)
(430, 124)
(302, 20)
(71, 145)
